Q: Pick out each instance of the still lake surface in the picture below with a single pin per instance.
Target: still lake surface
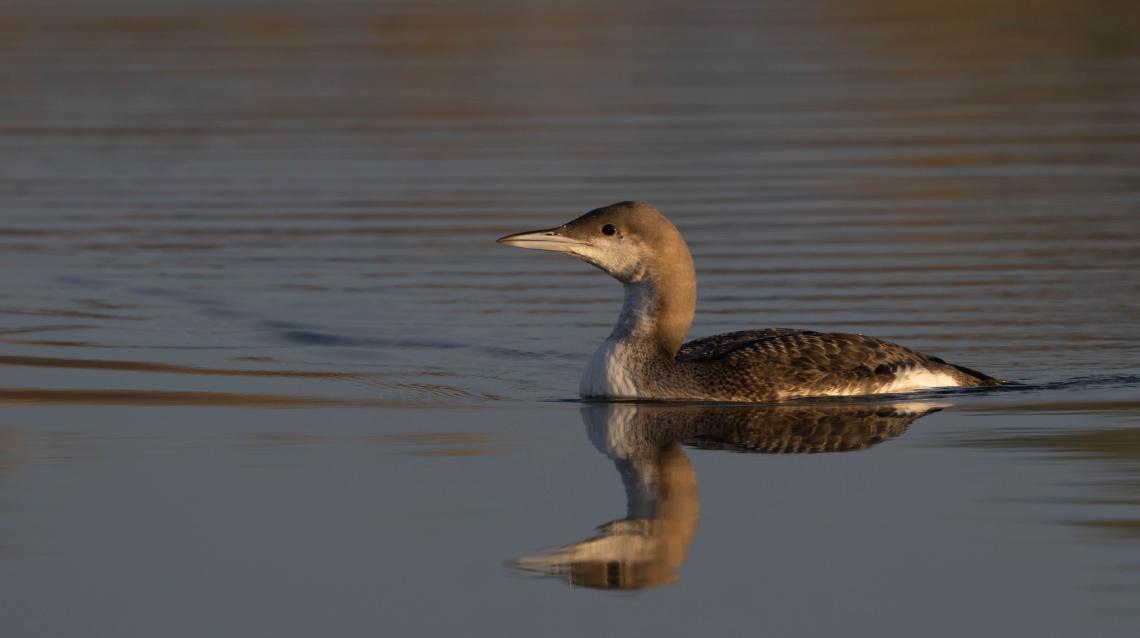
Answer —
(264, 371)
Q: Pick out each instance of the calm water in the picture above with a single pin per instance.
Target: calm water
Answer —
(264, 371)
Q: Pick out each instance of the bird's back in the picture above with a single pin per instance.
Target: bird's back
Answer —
(781, 363)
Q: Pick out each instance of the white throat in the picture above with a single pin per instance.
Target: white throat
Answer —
(615, 370)
(638, 313)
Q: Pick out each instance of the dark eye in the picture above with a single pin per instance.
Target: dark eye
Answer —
(609, 229)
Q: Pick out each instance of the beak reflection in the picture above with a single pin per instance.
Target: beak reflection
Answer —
(645, 441)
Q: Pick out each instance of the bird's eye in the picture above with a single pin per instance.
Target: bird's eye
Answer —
(609, 229)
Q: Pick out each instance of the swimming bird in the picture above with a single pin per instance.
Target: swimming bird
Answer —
(645, 356)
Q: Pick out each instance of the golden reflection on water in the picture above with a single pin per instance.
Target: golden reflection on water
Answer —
(647, 547)
(141, 398)
(154, 367)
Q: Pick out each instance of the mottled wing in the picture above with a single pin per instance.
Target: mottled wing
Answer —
(831, 363)
(780, 364)
(717, 346)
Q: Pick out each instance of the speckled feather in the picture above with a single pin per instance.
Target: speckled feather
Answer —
(781, 363)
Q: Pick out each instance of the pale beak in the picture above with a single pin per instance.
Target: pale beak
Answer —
(549, 239)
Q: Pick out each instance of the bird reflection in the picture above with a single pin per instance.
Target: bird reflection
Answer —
(647, 547)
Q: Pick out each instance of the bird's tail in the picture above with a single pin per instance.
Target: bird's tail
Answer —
(980, 377)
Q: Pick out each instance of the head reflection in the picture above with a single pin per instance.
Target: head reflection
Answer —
(647, 547)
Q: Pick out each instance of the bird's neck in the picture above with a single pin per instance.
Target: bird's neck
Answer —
(657, 312)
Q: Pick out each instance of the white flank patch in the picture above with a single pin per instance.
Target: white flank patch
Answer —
(606, 377)
(918, 379)
(905, 381)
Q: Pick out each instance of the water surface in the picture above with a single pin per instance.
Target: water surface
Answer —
(263, 368)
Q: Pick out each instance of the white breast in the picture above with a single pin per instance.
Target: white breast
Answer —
(608, 376)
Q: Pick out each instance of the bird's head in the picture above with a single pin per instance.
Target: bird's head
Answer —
(630, 241)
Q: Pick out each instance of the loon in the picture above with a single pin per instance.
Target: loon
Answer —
(645, 357)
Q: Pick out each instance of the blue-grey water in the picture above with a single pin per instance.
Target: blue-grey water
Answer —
(264, 371)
